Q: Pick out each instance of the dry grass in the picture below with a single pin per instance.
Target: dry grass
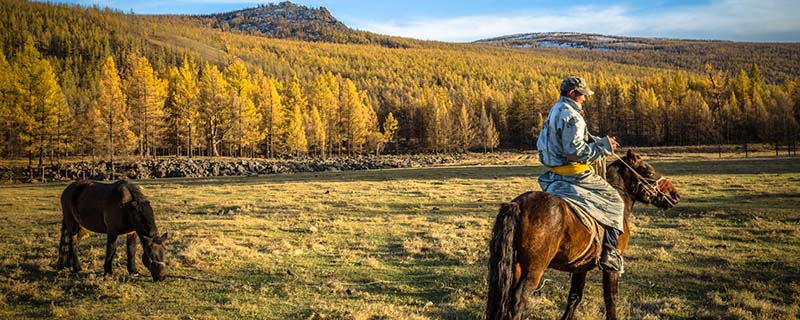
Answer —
(408, 244)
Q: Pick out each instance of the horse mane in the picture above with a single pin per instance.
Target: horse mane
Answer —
(136, 192)
(146, 218)
(130, 192)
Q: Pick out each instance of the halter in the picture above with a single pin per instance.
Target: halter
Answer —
(649, 185)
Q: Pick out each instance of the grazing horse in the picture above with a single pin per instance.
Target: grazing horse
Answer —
(538, 230)
(115, 209)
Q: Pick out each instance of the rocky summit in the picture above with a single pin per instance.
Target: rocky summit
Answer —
(283, 20)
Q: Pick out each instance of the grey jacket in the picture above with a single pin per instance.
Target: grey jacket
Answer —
(565, 139)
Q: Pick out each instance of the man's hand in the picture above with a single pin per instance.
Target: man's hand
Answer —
(614, 143)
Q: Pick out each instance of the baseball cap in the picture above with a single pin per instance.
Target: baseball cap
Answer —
(576, 83)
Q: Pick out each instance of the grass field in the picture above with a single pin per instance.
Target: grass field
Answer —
(408, 244)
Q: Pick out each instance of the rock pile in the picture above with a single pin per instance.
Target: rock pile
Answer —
(182, 167)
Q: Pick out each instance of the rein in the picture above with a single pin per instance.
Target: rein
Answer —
(657, 186)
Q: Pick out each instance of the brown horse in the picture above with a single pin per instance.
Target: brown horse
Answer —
(538, 230)
(115, 209)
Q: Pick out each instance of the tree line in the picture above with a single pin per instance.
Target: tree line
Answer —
(85, 81)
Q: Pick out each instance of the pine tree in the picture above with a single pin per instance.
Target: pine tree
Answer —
(110, 112)
(146, 95)
(214, 103)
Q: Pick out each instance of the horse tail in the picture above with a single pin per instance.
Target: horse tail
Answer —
(502, 258)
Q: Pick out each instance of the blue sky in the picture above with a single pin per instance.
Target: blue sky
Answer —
(468, 20)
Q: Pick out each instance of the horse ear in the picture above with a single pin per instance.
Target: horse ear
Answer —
(126, 194)
(147, 239)
(164, 236)
(632, 158)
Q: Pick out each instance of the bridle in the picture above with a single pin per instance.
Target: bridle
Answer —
(654, 188)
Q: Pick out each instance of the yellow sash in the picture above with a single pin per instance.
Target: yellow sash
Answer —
(572, 168)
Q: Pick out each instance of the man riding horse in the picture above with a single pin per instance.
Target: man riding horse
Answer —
(567, 148)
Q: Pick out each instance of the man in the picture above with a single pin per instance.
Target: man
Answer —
(567, 148)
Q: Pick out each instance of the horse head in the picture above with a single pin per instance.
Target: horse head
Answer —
(153, 258)
(153, 244)
(646, 184)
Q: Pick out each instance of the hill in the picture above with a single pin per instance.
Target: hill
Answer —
(444, 97)
(778, 61)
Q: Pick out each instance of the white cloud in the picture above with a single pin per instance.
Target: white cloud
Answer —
(744, 20)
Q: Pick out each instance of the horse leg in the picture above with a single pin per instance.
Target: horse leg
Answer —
(63, 248)
(111, 250)
(575, 294)
(529, 279)
(610, 280)
(131, 246)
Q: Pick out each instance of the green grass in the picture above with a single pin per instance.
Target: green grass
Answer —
(408, 244)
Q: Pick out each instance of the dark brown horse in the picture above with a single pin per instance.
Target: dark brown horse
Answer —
(115, 209)
(538, 230)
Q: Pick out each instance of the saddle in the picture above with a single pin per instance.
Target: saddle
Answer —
(594, 228)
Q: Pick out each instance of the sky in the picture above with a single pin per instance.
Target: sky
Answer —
(469, 20)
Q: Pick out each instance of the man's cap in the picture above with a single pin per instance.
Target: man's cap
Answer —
(576, 83)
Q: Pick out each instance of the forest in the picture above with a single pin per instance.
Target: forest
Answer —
(92, 82)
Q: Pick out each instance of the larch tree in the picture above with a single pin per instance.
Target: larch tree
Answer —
(6, 103)
(296, 143)
(390, 126)
(354, 118)
(214, 103)
(110, 112)
(146, 94)
(295, 132)
(315, 130)
(489, 136)
(464, 131)
(40, 104)
(268, 102)
(244, 114)
(323, 98)
(183, 111)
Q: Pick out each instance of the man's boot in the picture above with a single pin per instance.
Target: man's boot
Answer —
(611, 259)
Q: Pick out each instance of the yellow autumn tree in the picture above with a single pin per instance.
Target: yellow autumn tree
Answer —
(110, 112)
(244, 114)
(268, 102)
(146, 94)
(214, 102)
(183, 105)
